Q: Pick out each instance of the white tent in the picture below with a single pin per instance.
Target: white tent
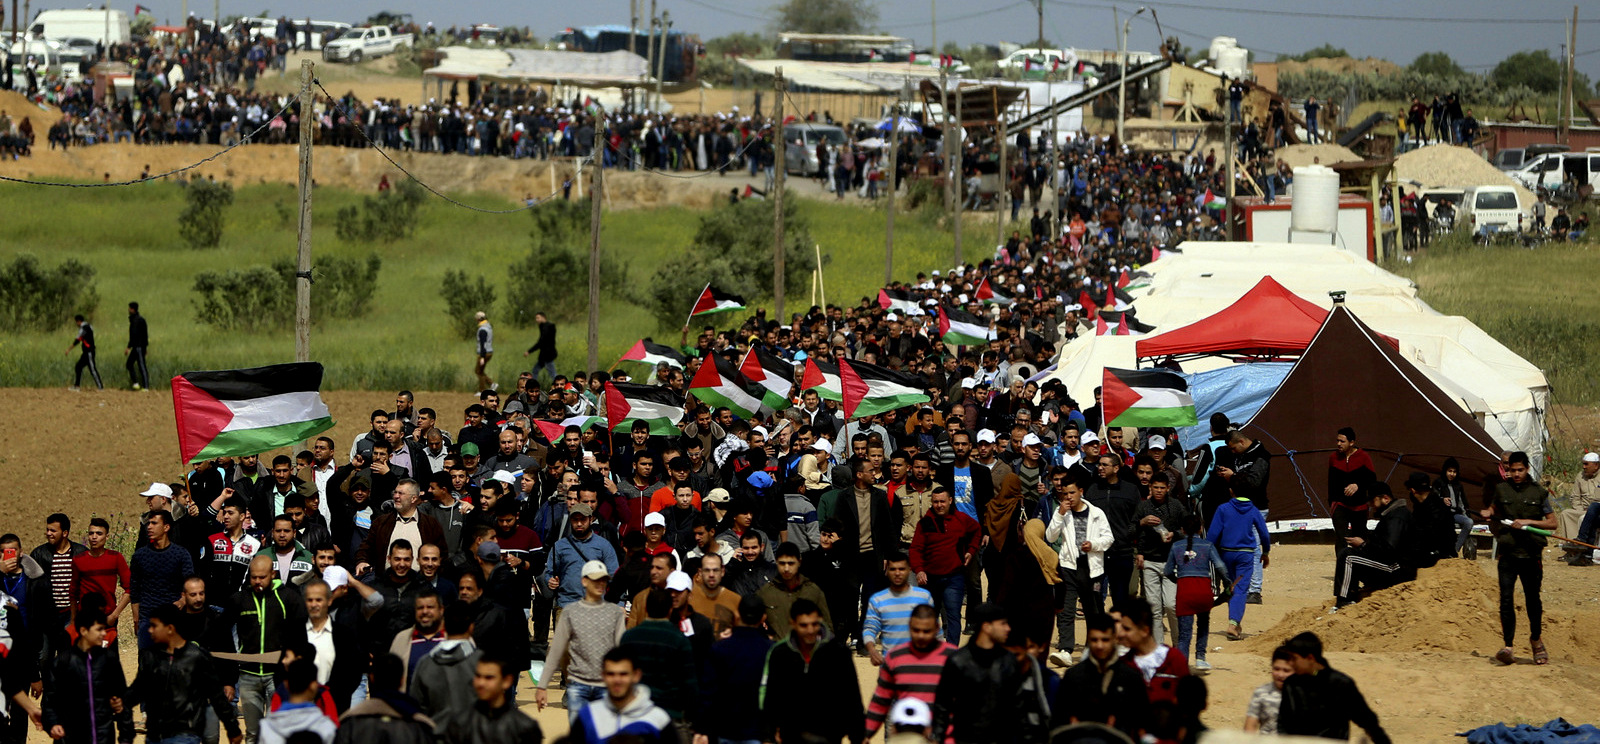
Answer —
(1505, 392)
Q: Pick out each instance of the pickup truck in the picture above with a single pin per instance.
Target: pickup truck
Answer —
(357, 44)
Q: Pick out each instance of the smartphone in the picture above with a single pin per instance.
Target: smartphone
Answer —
(10, 554)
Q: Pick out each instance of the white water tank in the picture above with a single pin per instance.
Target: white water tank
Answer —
(1218, 44)
(1235, 62)
(1315, 208)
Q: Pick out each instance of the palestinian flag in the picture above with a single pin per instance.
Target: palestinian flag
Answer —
(713, 300)
(1212, 201)
(653, 354)
(961, 328)
(554, 430)
(773, 374)
(1146, 397)
(248, 411)
(1089, 306)
(870, 390)
(628, 402)
(1100, 327)
(719, 383)
(899, 301)
(986, 294)
(823, 378)
(1126, 321)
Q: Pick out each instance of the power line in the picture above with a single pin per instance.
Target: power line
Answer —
(734, 13)
(1345, 16)
(962, 17)
(242, 141)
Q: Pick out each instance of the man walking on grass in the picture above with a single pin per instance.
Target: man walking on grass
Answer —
(138, 344)
(85, 341)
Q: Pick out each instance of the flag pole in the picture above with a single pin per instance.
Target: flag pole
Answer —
(690, 319)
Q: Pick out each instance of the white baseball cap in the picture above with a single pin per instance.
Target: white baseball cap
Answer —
(1587, 457)
(654, 519)
(335, 576)
(821, 445)
(968, 383)
(1032, 440)
(595, 571)
(1088, 437)
(1159, 442)
(910, 712)
(678, 581)
(891, 317)
(504, 476)
(986, 435)
(158, 489)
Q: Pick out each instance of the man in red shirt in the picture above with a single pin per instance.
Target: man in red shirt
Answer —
(97, 571)
(1350, 479)
(944, 543)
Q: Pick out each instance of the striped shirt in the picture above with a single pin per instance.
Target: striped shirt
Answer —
(905, 674)
(889, 615)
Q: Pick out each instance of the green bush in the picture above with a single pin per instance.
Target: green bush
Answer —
(261, 298)
(383, 218)
(464, 296)
(554, 277)
(200, 223)
(733, 250)
(35, 298)
(252, 299)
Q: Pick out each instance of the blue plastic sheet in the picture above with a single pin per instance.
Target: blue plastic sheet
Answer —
(1554, 732)
(1239, 391)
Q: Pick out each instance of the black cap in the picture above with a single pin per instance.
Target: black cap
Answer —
(1417, 481)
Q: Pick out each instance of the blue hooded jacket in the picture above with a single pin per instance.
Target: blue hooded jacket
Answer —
(1233, 524)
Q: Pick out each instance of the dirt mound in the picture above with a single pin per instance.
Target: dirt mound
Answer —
(1324, 154)
(1452, 607)
(17, 106)
(1449, 165)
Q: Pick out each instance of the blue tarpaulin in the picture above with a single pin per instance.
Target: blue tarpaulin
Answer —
(1239, 391)
(1554, 732)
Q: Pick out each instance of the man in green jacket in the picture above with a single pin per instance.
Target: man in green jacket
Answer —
(665, 656)
(789, 585)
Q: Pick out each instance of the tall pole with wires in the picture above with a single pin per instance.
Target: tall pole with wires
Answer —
(956, 169)
(889, 160)
(302, 281)
(780, 153)
(595, 195)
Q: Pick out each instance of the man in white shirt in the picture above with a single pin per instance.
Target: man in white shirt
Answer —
(1085, 535)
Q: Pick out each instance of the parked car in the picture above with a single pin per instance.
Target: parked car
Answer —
(364, 43)
(801, 139)
(1492, 209)
(1552, 171)
(1042, 59)
(1513, 158)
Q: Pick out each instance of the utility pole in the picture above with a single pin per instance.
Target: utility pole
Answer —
(650, 41)
(1040, 4)
(1572, 111)
(944, 137)
(631, 94)
(780, 153)
(302, 281)
(1003, 191)
(595, 198)
(888, 233)
(1227, 151)
(933, 14)
(1122, 71)
(661, 54)
(957, 172)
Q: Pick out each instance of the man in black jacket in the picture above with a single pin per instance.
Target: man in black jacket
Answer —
(1379, 559)
(546, 346)
(1098, 688)
(1320, 701)
(176, 682)
(977, 697)
(265, 616)
(51, 595)
(495, 716)
(138, 343)
(867, 550)
(1433, 524)
(1246, 467)
(809, 690)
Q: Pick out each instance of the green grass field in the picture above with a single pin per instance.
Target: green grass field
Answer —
(129, 236)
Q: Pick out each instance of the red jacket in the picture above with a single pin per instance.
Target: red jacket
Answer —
(1164, 685)
(941, 544)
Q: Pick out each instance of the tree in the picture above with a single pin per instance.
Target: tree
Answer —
(553, 277)
(826, 16)
(200, 223)
(1438, 64)
(1536, 70)
(740, 44)
(1326, 51)
(733, 250)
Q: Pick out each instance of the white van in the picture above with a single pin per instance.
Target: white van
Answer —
(105, 26)
(48, 58)
(1551, 170)
(1493, 209)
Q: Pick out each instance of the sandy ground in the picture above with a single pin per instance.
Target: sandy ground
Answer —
(1421, 653)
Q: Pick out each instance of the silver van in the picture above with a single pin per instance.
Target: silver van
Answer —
(801, 140)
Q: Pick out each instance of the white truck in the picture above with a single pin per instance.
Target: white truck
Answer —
(357, 44)
(105, 26)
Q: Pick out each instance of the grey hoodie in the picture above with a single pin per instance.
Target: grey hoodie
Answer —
(443, 678)
(280, 724)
